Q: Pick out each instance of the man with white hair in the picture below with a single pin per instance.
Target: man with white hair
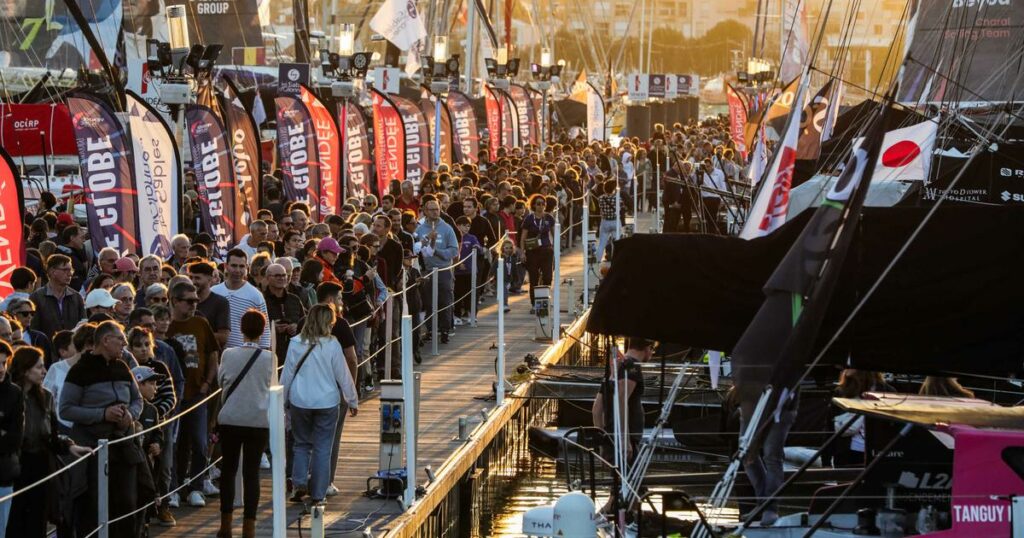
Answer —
(284, 309)
(251, 241)
(149, 274)
(179, 251)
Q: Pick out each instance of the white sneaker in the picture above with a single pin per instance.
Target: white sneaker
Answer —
(264, 462)
(214, 473)
(196, 499)
(458, 321)
(174, 501)
(332, 490)
(209, 489)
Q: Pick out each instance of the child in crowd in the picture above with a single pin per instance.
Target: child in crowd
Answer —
(463, 271)
(152, 441)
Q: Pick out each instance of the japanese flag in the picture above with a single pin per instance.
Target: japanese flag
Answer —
(906, 153)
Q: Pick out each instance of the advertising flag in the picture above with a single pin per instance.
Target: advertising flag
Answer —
(595, 115)
(36, 129)
(812, 124)
(215, 182)
(769, 209)
(417, 141)
(297, 153)
(492, 103)
(12, 233)
(328, 149)
(357, 152)
(543, 124)
(737, 119)
(157, 176)
(795, 41)
(104, 150)
(527, 119)
(400, 23)
(232, 23)
(509, 120)
(427, 105)
(466, 133)
(388, 142)
(246, 155)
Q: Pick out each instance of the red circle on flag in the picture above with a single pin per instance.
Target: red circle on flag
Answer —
(900, 154)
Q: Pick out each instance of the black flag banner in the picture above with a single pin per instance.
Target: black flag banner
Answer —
(779, 340)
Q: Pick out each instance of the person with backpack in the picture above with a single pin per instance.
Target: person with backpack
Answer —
(315, 379)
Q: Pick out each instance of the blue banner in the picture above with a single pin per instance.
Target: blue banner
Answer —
(106, 160)
(211, 162)
(297, 153)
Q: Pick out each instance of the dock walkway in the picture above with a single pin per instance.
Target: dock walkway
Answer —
(454, 383)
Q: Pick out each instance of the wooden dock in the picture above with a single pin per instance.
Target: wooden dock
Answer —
(454, 383)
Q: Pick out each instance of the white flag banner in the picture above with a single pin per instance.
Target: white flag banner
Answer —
(758, 159)
(595, 114)
(399, 22)
(156, 176)
(795, 43)
(769, 209)
(906, 153)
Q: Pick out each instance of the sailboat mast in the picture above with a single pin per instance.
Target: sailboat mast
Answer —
(640, 33)
(650, 35)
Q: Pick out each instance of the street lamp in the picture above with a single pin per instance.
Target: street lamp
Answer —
(544, 74)
(439, 70)
(347, 67)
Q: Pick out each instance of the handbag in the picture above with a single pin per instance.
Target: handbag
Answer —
(234, 385)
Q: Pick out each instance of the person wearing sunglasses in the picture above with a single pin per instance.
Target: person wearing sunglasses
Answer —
(198, 341)
(23, 310)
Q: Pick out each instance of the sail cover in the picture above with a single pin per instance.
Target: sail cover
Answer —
(965, 50)
(952, 299)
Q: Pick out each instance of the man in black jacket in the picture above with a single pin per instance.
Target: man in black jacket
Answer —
(283, 307)
(58, 306)
(390, 250)
(101, 400)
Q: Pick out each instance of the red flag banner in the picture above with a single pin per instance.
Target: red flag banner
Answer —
(737, 119)
(12, 233)
(492, 103)
(388, 141)
(357, 152)
(466, 132)
(417, 142)
(328, 149)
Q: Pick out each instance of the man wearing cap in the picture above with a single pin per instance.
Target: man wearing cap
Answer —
(100, 301)
(440, 247)
(125, 271)
(58, 307)
(327, 252)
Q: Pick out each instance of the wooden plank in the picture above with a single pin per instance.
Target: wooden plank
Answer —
(450, 386)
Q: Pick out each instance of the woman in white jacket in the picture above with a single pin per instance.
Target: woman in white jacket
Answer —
(315, 380)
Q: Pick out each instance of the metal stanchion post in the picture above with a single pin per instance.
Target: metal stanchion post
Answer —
(103, 488)
(657, 200)
(556, 284)
(275, 415)
(586, 253)
(389, 308)
(409, 402)
(433, 321)
(472, 288)
(572, 227)
(499, 392)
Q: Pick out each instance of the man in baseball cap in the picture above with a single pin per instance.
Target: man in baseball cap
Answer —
(125, 270)
(99, 301)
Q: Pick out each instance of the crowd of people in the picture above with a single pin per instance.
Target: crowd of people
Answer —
(170, 359)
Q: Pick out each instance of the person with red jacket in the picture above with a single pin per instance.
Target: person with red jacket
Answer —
(327, 252)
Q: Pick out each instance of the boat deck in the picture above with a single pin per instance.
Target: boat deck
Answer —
(454, 383)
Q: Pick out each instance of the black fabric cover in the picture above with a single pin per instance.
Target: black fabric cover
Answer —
(953, 303)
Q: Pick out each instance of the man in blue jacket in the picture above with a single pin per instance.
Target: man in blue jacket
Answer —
(440, 249)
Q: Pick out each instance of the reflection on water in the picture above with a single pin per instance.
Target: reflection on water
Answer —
(539, 482)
